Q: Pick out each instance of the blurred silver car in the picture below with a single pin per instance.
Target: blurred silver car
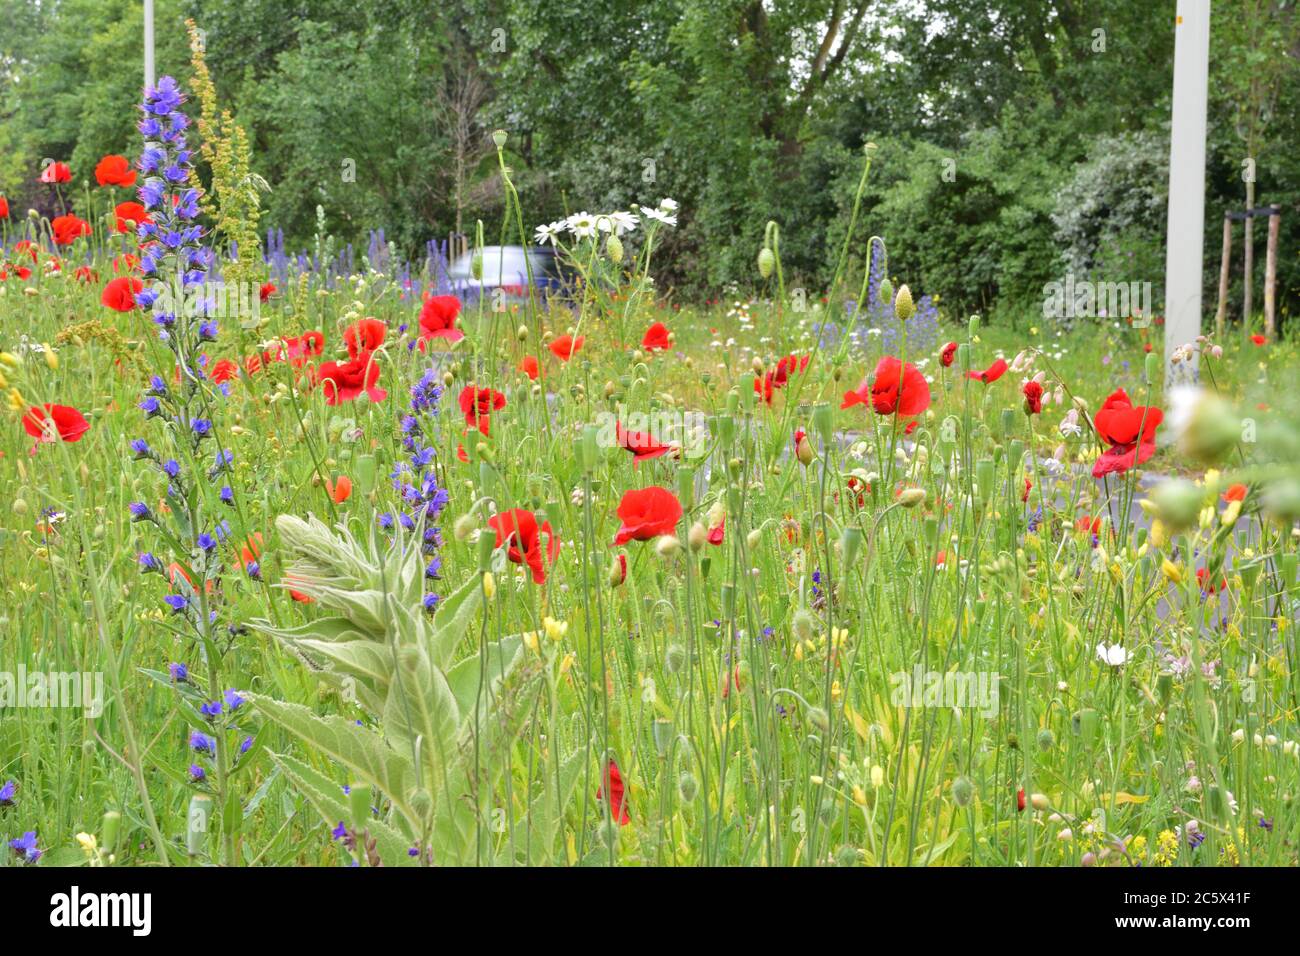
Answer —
(507, 268)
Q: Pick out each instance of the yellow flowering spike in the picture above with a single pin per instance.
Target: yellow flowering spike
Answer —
(1159, 534)
(489, 585)
(1230, 514)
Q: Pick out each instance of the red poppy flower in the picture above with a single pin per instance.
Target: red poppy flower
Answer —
(647, 513)
(787, 367)
(22, 272)
(656, 338)
(530, 367)
(28, 248)
(223, 371)
(130, 212)
(46, 422)
(67, 228)
(1258, 339)
(565, 347)
(619, 572)
(731, 682)
(119, 294)
(297, 351)
(990, 374)
(114, 171)
(4, 208)
(764, 387)
(85, 274)
(519, 527)
(1129, 429)
(895, 388)
(617, 803)
(126, 263)
(267, 290)
(717, 533)
(364, 335)
(1235, 493)
(478, 404)
(340, 490)
(438, 319)
(1025, 494)
(1033, 397)
(56, 173)
(1206, 585)
(1086, 523)
(251, 550)
(948, 354)
(642, 445)
(1020, 799)
(344, 381)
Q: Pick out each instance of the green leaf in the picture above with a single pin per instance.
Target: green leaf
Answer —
(502, 657)
(362, 751)
(452, 619)
(326, 797)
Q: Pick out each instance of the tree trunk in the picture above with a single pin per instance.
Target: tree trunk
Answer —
(1248, 298)
(1221, 314)
(1270, 275)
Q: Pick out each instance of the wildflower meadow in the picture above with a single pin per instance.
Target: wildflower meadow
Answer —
(346, 555)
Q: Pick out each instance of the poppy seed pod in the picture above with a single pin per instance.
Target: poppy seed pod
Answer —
(499, 137)
(904, 307)
(766, 262)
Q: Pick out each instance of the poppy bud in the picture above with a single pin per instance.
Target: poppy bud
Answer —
(1153, 363)
(19, 507)
(766, 262)
(465, 525)
(973, 326)
(476, 265)
(962, 791)
(668, 545)
(803, 624)
(1039, 801)
(904, 308)
(911, 497)
(886, 291)
(674, 658)
(804, 450)
(753, 538)
(819, 719)
(687, 787)
(697, 537)
(1046, 740)
(109, 830)
(1177, 501)
(850, 543)
(51, 359)
(614, 248)
(618, 571)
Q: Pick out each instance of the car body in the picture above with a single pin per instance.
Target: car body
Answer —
(508, 268)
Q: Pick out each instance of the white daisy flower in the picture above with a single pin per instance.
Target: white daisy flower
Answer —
(1114, 655)
(582, 225)
(623, 222)
(659, 216)
(548, 233)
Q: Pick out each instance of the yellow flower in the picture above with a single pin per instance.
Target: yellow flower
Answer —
(877, 776)
(87, 841)
(1172, 571)
(1231, 514)
(1159, 535)
(489, 585)
(555, 630)
(530, 640)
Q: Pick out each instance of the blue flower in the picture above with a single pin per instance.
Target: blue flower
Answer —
(139, 511)
(227, 495)
(140, 448)
(25, 847)
(176, 602)
(149, 562)
(233, 700)
(7, 793)
(197, 773)
(201, 743)
(171, 468)
(211, 709)
(150, 406)
(179, 673)
(201, 427)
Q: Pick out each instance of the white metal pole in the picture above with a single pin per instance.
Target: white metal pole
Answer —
(148, 44)
(1186, 224)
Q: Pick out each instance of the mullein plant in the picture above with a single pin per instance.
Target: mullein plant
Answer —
(190, 521)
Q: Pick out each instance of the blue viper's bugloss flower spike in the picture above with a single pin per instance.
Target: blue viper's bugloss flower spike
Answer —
(25, 847)
(139, 511)
(176, 602)
(140, 448)
(149, 562)
(179, 672)
(197, 773)
(211, 710)
(7, 793)
(233, 699)
(202, 743)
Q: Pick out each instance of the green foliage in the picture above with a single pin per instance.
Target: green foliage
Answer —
(436, 717)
